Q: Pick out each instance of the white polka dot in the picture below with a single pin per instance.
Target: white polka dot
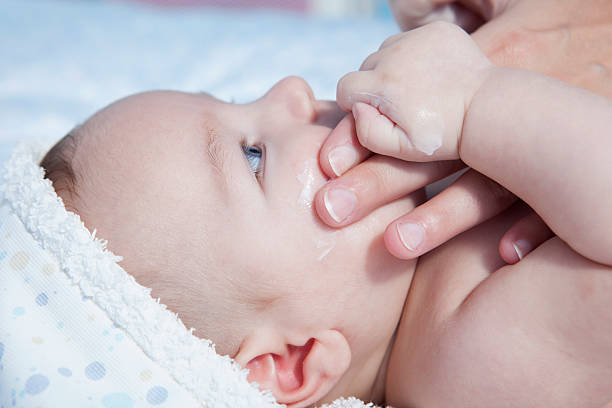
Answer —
(19, 260)
(48, 269)
(146, 375)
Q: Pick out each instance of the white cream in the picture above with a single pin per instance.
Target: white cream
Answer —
(427, 131)
(307, 178)
(327, 242)
(326, 245)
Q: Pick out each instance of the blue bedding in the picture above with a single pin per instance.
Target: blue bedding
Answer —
(62, 60)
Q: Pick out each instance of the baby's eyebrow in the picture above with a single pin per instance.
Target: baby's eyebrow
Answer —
(218, 156)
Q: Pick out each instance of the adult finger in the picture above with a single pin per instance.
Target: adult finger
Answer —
(470, 200)
(373, 183)
(523, 237)
(342, 150)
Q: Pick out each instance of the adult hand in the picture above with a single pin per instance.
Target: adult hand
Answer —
(410, 14)
(570, 40)
(378, 180)
(519, 33)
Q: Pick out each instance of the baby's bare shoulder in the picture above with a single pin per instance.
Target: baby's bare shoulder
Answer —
(476, 332)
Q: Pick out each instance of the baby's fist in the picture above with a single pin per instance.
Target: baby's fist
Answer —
(410, 97)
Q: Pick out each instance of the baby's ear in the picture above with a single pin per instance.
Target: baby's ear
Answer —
(297, 374)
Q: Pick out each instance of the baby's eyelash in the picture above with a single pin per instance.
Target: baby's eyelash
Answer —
(255, 156)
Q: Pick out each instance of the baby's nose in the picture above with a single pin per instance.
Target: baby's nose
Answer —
(296, 96)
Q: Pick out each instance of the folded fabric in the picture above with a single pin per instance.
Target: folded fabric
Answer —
(76, 330)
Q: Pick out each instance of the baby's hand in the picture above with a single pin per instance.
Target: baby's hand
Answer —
(410, 97)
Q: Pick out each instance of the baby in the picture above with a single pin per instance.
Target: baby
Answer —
(210, 204)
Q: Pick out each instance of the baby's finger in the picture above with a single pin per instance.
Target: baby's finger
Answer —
(421, 134)
(359, 86)
(391, 40)
(370, 62)
(379, 134)
(469, 201)
(523, 237)
(373, 59)
(375, 182)
(341, 150)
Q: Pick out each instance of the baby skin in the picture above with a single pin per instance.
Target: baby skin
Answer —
(210, 205)
(475, 331)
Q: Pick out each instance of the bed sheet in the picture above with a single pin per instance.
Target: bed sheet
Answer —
(62, 60)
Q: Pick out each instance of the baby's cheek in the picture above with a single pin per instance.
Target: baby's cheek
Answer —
(323, 239)
(195, 306)
(308, 179)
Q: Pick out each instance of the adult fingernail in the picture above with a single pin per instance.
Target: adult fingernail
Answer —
(410, 234)
(522, 248)
(339, 203)
(341, 159)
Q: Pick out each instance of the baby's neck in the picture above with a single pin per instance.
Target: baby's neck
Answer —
(368, 380)
(377, 394)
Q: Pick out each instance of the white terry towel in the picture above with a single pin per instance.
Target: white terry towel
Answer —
(76, 330)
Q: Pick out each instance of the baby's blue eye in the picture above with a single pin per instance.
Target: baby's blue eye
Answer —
(255, 156)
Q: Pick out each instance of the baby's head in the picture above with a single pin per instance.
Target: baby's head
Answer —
(209, 204)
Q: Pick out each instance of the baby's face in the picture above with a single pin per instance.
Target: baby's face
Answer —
(209, 203)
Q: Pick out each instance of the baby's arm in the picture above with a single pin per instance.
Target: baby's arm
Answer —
(551, 145)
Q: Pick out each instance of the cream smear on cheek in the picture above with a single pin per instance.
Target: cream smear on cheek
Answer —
(310, 185)
(307, 178)
(325, 245)
(426, 127)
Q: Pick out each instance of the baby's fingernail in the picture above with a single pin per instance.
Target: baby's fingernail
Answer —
(522, 248)
(341, 159)
(339, 203)
(411, 235)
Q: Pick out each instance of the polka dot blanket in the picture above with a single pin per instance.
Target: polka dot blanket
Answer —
(76, 330)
